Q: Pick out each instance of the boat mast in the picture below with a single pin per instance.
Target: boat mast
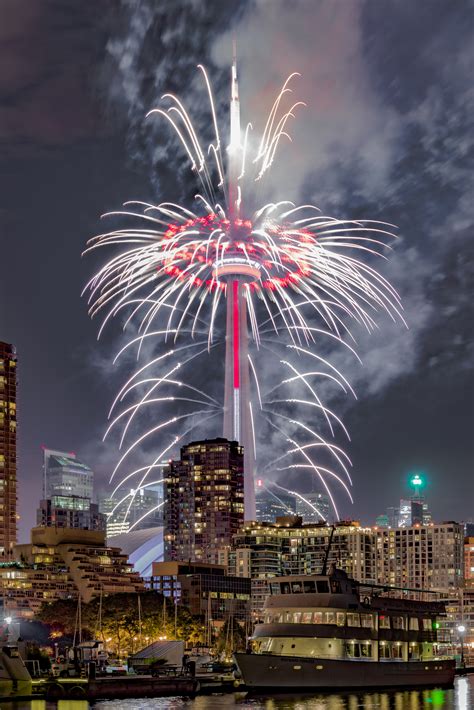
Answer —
(139, 601)
(328, 549)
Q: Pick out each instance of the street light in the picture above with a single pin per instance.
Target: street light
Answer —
(461, 631)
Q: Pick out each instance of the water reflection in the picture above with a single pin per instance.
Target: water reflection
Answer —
(43, 705)
(459, 698)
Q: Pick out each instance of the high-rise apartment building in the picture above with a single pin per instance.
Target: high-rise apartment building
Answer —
(70, 512)
(132, 510)
(204, 500)
(263, 550)
(313, 507)
(8, 454)
(459, 613)
(65, 475)
(68, 487)
(421, 556)
(411, 513)
(392, 517)
(116, 524)
(271, 503)
(63, 563)
(469, 562)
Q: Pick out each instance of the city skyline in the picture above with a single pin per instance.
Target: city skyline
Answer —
(413, 413)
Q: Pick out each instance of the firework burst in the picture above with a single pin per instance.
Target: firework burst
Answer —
(278, 267)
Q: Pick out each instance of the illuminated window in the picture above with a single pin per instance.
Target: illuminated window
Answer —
(367, 621)
(353, 619)
(398, 622)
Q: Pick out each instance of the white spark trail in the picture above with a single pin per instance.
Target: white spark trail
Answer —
(169, 279)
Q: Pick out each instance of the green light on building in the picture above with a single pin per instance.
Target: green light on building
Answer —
(416, 481)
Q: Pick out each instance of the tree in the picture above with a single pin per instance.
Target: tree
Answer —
(118, 622)
(231, 638)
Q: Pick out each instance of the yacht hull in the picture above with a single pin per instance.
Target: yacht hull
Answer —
(271, 672)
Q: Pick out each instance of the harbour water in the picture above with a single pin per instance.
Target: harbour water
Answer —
(461, 697)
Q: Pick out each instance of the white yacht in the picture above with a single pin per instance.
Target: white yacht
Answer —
(328, 631)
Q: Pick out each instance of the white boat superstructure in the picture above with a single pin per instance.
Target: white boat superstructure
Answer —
(318, 631)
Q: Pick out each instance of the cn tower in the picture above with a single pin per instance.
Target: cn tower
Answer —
(237, 273)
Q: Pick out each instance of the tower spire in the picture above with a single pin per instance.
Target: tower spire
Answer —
(234, 144)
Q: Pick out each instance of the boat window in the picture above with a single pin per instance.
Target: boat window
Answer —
(398, 622)
(323, 586)
(297, 617)
(282, 618)
(414, 651)
(289, 617)
(274, 588)
(296, 587)
(413, 623)
(340, 618)
(353, 649)
(384, 650)
(318, 617)
(309, 587)
(367, 621)
(330, 617)
(307, 617)
(285, 588)
(366, 650)
(384, 622)
(397, 651)
(335, 586)
(427, 626)
(353, 619)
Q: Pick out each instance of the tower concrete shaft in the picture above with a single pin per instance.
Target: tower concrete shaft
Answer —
(238, 424)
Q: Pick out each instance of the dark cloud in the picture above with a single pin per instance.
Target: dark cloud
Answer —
(47, 49)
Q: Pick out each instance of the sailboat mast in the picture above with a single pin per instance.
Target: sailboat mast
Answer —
(140, 618)
(79, 618)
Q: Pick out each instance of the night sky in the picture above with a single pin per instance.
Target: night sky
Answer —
(386, 134)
